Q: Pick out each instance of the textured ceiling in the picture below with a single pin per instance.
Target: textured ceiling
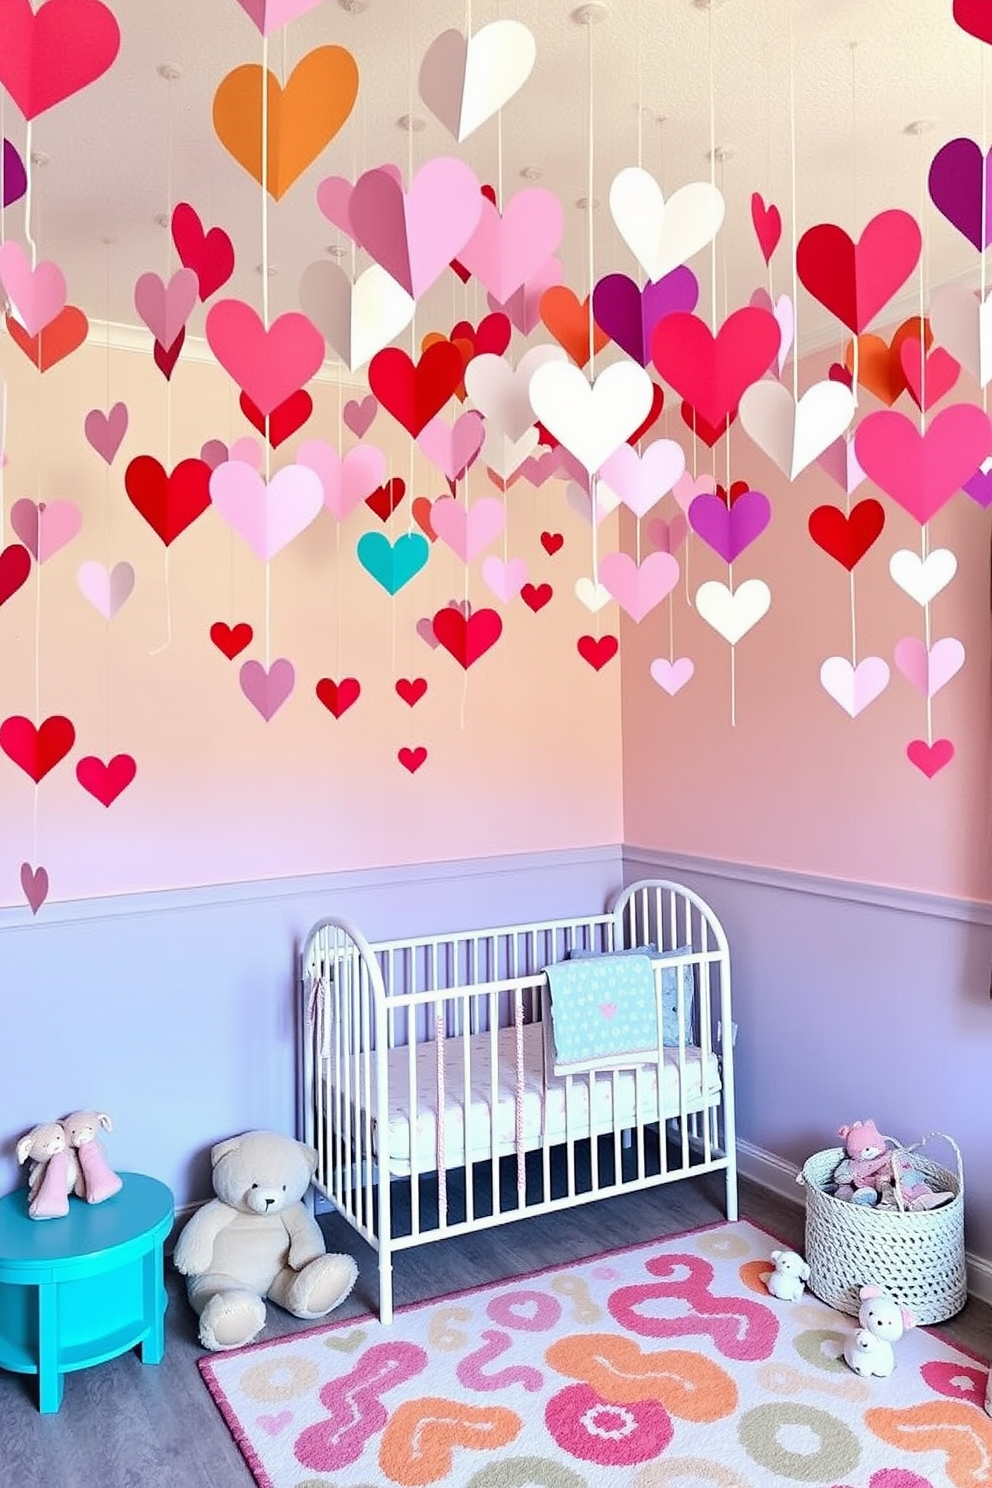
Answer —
(125, 150)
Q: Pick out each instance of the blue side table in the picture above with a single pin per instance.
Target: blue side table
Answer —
(78, 1290)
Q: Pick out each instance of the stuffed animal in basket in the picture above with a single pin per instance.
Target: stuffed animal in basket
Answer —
(53, 1171)
(866, 1168)
(96, 1179)
(257, 1240)
(883, 1322)
(788, 1280)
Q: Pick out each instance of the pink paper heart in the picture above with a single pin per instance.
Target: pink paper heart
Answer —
(214, 453)
(269, 365)
(854, 687)
(452, 447)
(524, 305)
(840, 461)
(248, 450)
(105, 431)
(267, 689)
(414, 234)
(929, 671)
(266, 516)
(467, 533)
(923, 472)
(425, 630)
(928, 378)
(38, 295)
(346, 483)
(642, 480)
(672, 676)
(930, 758)
(687, 488)
(505, 579)
(506, 252)
(536, 469)
(638, 588)
(272, 15)
(34, 882)
(45, 527)
(463, 606)
(165, 308)
(360, 416)
(106, 590)
(668, 537)
(334, 197)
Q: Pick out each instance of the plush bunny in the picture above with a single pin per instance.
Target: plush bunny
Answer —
(788, 1280)
(53, 1171)
(883, 1322)
(95, 1180)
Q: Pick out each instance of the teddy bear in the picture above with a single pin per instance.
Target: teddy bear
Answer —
(53, 1172)
(256, 1240)
(788, 1280)
(866, 1169)
(96, 1180)
(883, 1322)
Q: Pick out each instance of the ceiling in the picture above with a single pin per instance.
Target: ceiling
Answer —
(670, 77)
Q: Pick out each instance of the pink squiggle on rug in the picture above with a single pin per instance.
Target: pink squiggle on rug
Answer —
(470, 1370)
(739, 1328)
(355, 1408)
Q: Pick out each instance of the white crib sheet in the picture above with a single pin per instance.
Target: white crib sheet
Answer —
(636, 1096)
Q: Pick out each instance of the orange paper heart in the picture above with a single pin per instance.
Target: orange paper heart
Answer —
(879, 370)
(303, 117)
(567, 318)
(422, 516)
(56, 340)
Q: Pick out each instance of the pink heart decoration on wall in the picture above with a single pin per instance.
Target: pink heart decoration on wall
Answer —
(507, 250)
(165, 308)
(928, 670)
(504, 579)
(524, 306)
(638, 589)
(667, 537)
(268, 365)
(922, 472)
(359, 416)
(929, 377)
(415, 234)
(854, 687)
(45, 527)
(930, 759)
(469, 532)
(334, 197)
(346, 482)
(268, 517)
(105, 431)
(55, 51)
(34, 884)
(37, 294)
(106, 591)
(267, 688)
(642, 480)
(452, 447)
(272, 15)
(672, 676)
(209, 254)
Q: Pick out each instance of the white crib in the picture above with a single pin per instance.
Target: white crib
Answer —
(394, 1034)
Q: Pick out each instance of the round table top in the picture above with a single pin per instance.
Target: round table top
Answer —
(143, 1207)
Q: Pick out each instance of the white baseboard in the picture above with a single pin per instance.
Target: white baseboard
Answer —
(779, 1177)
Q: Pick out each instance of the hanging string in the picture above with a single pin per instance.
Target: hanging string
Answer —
(985, 137)
(792, 188)
(924, 264)
(709, 15)
(591, 250)
(29, 173)
(169, 80)
(856, 355)
(265, 313)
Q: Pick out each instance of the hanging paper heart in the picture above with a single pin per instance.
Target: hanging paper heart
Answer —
(711, 373)
(412, 759)
(247, 449)
(552, 542)
(490, 337)
(687, 488)
(420, 509)
(452, 447)
(854, 687)
(974, 17)
(930, 758)
(960, 185)
(928, 669)
(231, 640)
(508, 249)
(165, 308)
(502, 394)
(661, 235)
(921, 472)
(857, 280)
(465, 80)
(767, 222)
(597, 651)
(15, 565)
(105, 431)
(346, 482)
(847, 538)
(732, 613)
(393, 564)
(591, 422)
(730, 530)
(963, 324)
(45, 527)
(36, 750)
(358, 415)
(468, 532)
(284, 420)
(667, 537)
(795, 434)
(979, 485)
(356, 320)
(411, 689)
(785, 315)
(54, 52)
(34, 883)
(505, 579)
(168, 503)
(303, 117)
(106, 780)
(338, 697)
(536, 596)
(414, 393)
(641, 481)
(36, 294)
(539, 468)
(268, 365)
(578, 499)
(272, 15)
(334, 197)
(638, 588)
(386, 498)
(594, 596)
(523, 308)
(166, 357)
(209, 254)
(928, 377)
(13, 176)
(466, 639)
(702, 428)
(567, 318)
(267, 516)
(503, 457)
(923, 578)
(628, 314)
(267, 688)
(840, 461)
(879, 368)
(414, 234)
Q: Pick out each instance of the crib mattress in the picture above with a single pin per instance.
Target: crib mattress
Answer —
(549, 1107)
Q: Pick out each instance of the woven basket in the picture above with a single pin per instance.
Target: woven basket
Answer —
(918, 1257)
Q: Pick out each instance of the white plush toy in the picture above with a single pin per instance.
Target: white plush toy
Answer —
(788, 1280)
(257, 1240)
(883, 1322)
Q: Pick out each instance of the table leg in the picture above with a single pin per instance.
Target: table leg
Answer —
(154, 1300)
(49, 1375)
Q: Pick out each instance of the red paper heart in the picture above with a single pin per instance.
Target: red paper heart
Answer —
(856, 280)
(15, 565)
(767, 225)
(106, 781)
(598, 652)
(411, 689)
(707, 432)
(49, 55)
(463, 273)
(414, 394)
(337, 697)
(467, 638)
(386, 498)
(928, 378)
(567, 318)
(412, 759)
(712, 373)
(421, 509)
(37, 750)
(551, 542)
(59, 338)
(536, 597)
(166, 357)
(930, 758)
(284, 420)
(545, 437)
(837, 373)
(491, 335)
(209, 254)
(657, 404)
(738, 488)
(847, 538)
(168, 503)
(231, 640)
(975, 17)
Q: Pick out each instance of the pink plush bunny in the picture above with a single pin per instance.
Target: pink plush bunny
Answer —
(96, 1180)
(53, 1172)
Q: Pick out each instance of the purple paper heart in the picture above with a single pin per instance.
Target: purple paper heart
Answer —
(214, 453)
(14, 180)
(979, 487)
(105, 431)
(956, 183)
(359, 416)
(729, 531)
(628, 314)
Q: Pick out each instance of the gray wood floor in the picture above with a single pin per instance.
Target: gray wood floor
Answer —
(123, 1425)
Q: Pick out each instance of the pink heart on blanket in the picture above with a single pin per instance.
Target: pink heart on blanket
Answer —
(608, 1010)
(274, 1424)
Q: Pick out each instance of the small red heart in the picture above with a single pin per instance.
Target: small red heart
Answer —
(37, 750)
(411, 689)
(930, 758)
(657, 404)
(975, 17)
(15, 565)
(337, 697)
(386, 498)
(460, 269)
(167, 357)
(738, 488)
(231, 640)
(551, 542)
(767, 225)
(837, 373)
(707, 432)
(106, 781)
(847, 538)
(284, 420)
(55, 341)
(598, 652)
(491, 335)
(536, 597)
(421, 509)
(412, 759)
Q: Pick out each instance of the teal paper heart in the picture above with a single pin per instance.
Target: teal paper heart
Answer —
(393, 564)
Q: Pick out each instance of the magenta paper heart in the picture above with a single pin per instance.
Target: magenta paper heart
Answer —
(467, 533)
(360, 416)
(629, 314)
(687, 488)
(524, 306)
(14, 181)
(334, 197)
(505, 579)
(452, 447)
(106, 591)
(415, 234)
(165, 308)
(929, 671)
(671, 676)
(642, 480)
(840, 461)
(960, 184)
(667, 537)
(214, 453)
(272, 15)
(506, 251)
(45, 526)
(930, 758)
(34, 883)
(269, 365)
(346, 482)
(266, 516)
(922, 472)
(38, 294)
(267, 690)
(425, 630)
(638, 589)
(105, 431)
(979, 486)
(729, 531)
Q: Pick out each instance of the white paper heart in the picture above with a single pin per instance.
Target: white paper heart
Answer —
(505, 456)
(732, 613)
(591, 422)
(106, 590)
(607, 501)
(963, 326)
(464, 82)
(854, 687)
(359, 319)
(594, 596)
(923, 578)
(661, 235)
(502, 393)
(796, 434)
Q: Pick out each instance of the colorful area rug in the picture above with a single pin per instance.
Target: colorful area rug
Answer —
(663, 1364)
